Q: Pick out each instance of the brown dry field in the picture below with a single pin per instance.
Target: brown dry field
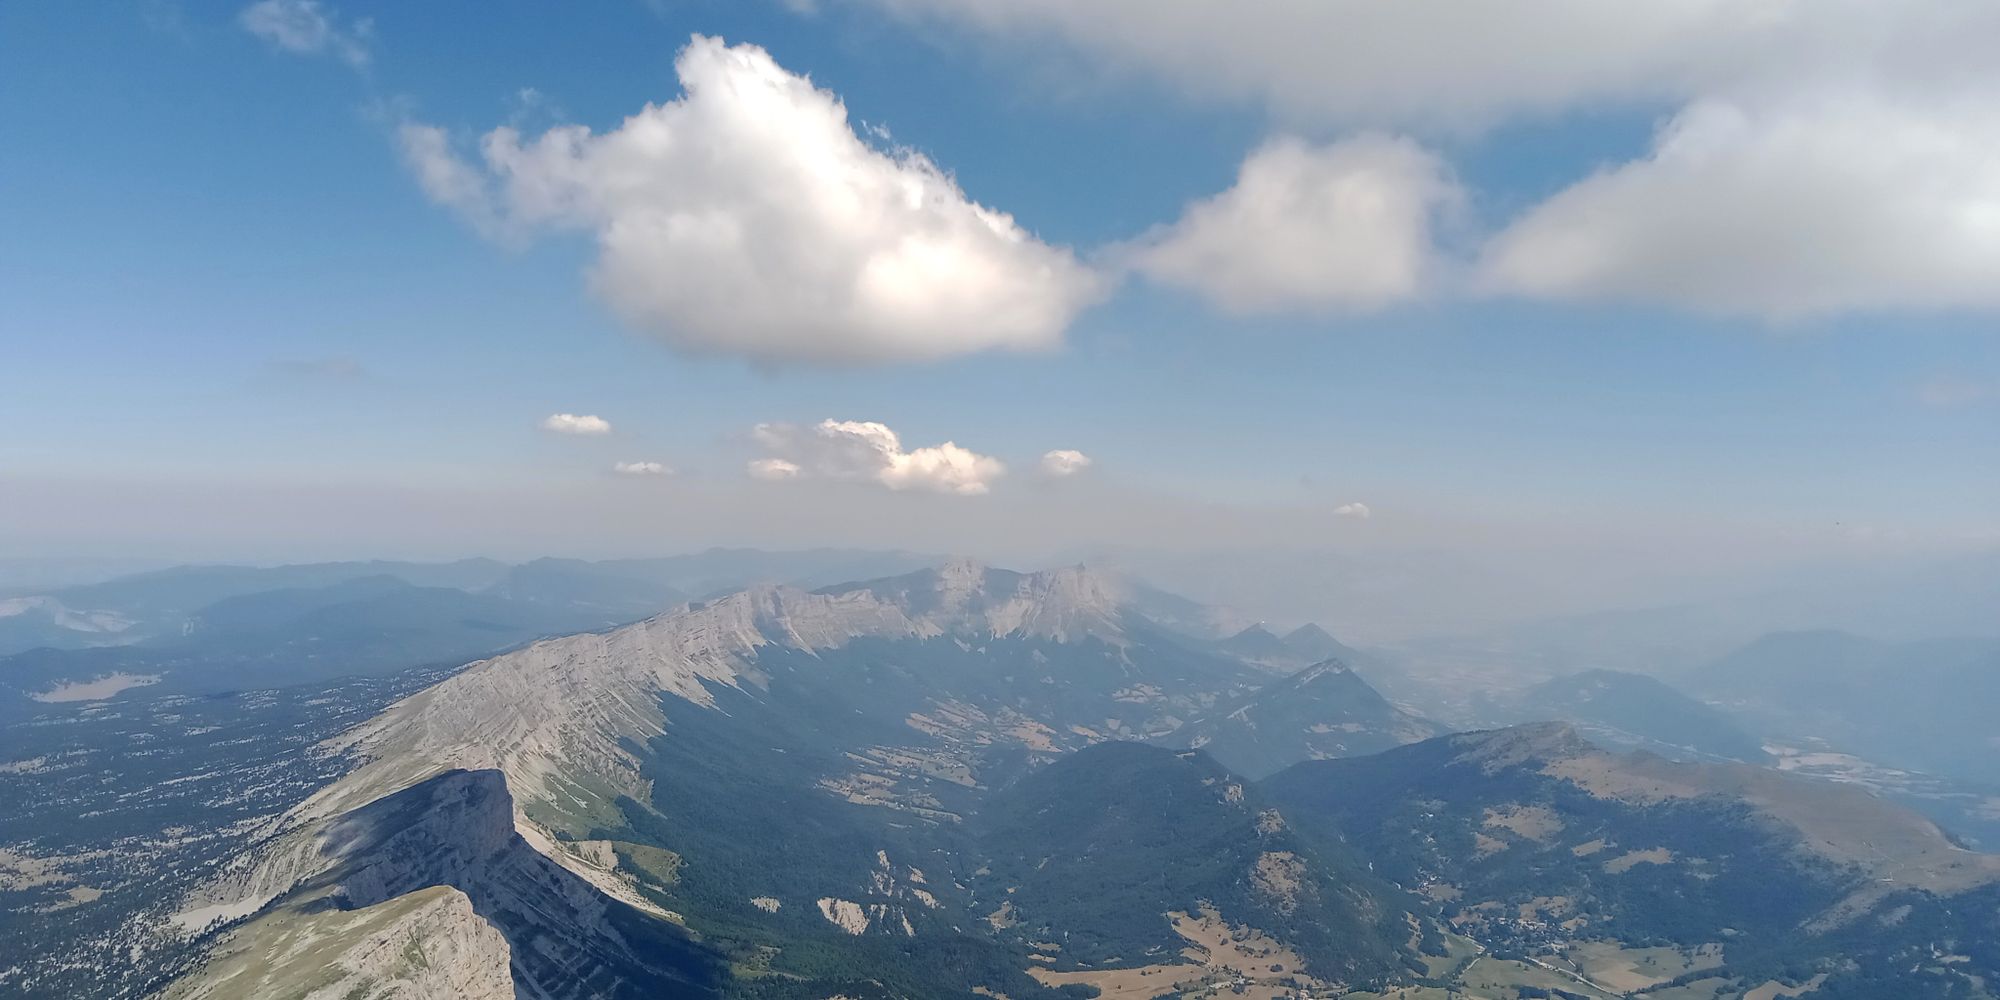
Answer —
(1215, 958)
(1122, 984)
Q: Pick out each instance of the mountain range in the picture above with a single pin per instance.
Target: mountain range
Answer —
(1633, 710)
(1923, 704)
(210, 629)
(818, 764)
(965, 781)
(159, 603)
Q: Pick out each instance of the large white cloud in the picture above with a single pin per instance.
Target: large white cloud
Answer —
(747, 218)
(1779, 209)
(1346, 225)
(308, 28)
(862, 451)
(1451, 63)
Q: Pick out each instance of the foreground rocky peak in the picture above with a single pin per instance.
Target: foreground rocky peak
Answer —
(427, 945)
(433, 887)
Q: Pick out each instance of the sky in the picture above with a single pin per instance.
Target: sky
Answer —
(1625, 295)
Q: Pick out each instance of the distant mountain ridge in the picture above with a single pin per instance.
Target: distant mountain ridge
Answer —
(1316, 644)
(274, 638)
(1325, 710)
(1638, 711)
(1924, 704)
(156, 603)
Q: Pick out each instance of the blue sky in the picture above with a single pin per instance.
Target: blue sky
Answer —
(225, 287)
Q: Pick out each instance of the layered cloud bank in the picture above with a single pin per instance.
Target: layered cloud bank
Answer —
(1786, 211)
(1815, 158)
(747, 218)
(1438, 65)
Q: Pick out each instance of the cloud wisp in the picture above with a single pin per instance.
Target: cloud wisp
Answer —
(309, 28)
(1952, 392)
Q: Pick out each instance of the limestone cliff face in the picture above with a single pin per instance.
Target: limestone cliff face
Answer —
(428, 945)
(444, 856)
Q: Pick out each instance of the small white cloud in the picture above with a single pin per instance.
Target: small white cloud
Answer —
(861, 451)
(747, 218)
(642, 469)
(573, 423)
(773, 469)
(1356, 511)
(1063, 462)
(309, 28)
(1310, 228)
